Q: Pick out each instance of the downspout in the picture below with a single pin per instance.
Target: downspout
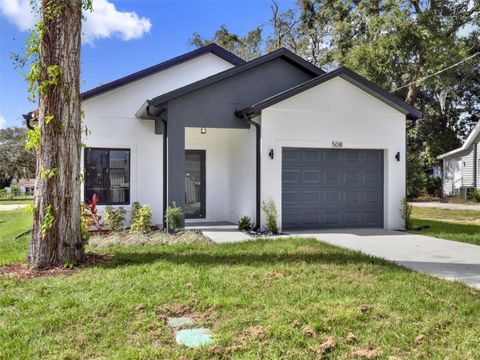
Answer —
(411, 126)
(165, 159)
(475, 156)
(258, 129)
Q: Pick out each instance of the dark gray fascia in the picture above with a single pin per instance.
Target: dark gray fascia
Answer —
(283, 53)
(411, 112)
(211, 48)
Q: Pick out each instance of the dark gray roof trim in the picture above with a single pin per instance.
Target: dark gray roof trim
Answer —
(280, 53)
(347, 74)
(212, 48)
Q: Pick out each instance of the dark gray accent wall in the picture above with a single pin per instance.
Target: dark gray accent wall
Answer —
(215, 105)
(176, 163)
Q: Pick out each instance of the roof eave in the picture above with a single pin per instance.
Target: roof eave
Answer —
(466, 145)
(450, 154)
(211, 48)
(409, 111)
(280, 53)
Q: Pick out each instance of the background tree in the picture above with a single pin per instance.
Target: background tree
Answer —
(54, 50)
(407, 47)
(285, 25)
(247, 47)
(399, 43)
(15, 162)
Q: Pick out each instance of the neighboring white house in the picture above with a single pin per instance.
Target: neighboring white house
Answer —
(25, 186)
(327, 148)
(460, 166)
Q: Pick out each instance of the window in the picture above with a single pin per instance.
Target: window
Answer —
(107, 174)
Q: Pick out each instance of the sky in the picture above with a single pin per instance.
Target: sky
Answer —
(121, 37)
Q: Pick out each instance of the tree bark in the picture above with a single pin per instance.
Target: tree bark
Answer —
(57, 192)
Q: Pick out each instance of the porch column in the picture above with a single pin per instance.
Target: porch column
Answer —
(176, 163)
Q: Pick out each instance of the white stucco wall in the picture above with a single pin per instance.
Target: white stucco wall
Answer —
(230, 171)
(336, 111)
(242, 169)
(111, 122)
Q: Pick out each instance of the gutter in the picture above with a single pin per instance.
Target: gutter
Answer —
(411, 126)
(165, 159)
(258, 129)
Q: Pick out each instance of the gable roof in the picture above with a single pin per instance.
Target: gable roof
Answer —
(466, 145)
(280, 53)
(411, 112)
(211, 48)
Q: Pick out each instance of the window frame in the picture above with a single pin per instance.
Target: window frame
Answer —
(109, 188)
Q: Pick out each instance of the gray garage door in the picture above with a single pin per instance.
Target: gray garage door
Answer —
(330, 188)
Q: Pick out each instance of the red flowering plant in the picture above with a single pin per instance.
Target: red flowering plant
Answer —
(91, 210)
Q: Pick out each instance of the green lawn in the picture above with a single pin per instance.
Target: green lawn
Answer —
(117, 310)
(13, 223)
(17, 200)
(458, 225)
(460, 216)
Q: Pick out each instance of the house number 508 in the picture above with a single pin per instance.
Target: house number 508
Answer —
(337, 144)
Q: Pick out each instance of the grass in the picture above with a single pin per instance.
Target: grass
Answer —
(15, 201)
(13, 223)
(461, 216)
(457, 225)
(117, 310)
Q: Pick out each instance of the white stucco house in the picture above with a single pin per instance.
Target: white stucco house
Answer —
(218, 135)
(461, 166)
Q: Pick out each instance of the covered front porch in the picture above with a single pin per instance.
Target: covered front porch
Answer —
(219, 175)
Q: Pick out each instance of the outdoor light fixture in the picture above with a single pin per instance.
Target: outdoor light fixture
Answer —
(270, 153)
(203, 130)
(397, 156)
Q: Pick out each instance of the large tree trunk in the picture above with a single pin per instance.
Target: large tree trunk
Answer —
(57, 191)
(413, 88)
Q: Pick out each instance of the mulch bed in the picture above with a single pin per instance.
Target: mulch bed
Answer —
(22, 271)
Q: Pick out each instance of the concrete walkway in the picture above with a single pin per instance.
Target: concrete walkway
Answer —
(445, 259)
(221, 232)
(446, 206)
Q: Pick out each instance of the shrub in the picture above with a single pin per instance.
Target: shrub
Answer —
(271, 214)
(85, 222)
(473, 194)
(406, 213)
(433, 186)
(416, 177)
(245, 223)
(115, 218)
(135, 207)
(174, 217)
(15, 189)
(142, 220)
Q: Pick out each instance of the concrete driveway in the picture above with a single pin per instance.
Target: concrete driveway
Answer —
(441, 258)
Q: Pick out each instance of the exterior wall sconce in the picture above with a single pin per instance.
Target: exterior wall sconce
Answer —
(270, 154)
(203, 131)
(397, 156)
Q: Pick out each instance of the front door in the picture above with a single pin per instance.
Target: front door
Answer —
(194, 184)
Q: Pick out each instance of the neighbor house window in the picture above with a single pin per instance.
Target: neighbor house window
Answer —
(107, 174)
